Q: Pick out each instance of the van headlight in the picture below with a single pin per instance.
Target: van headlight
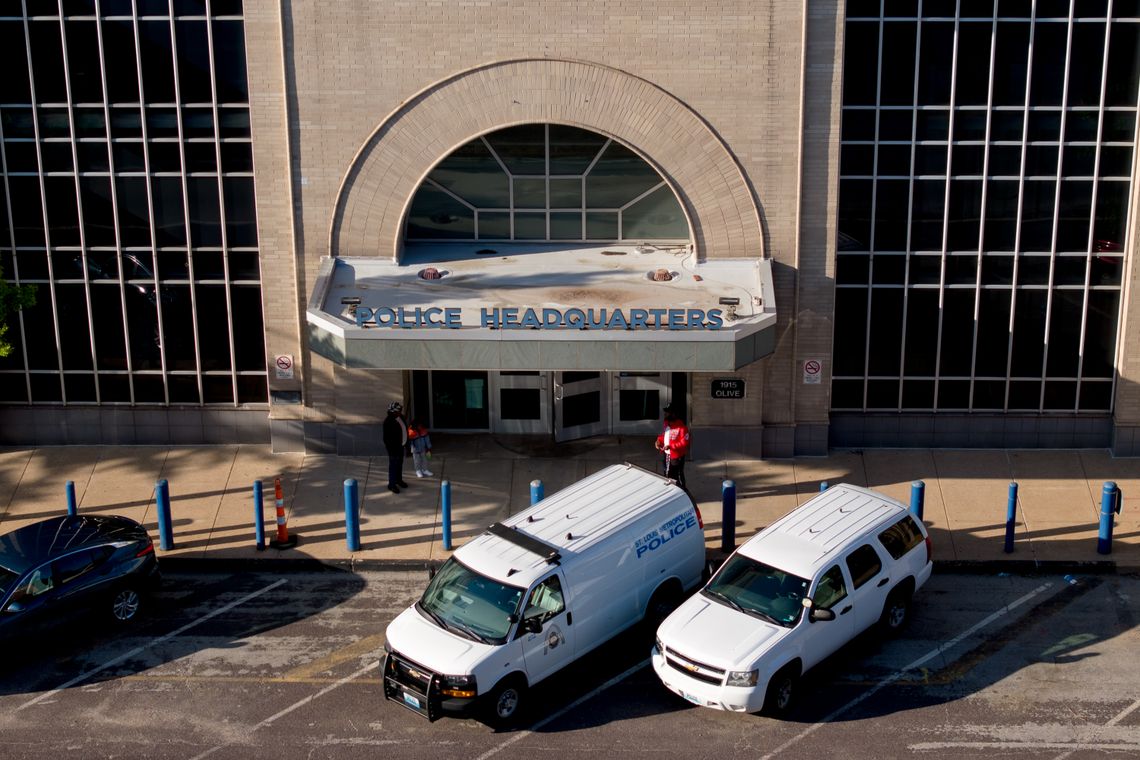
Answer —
(742, 678)
(458, 686)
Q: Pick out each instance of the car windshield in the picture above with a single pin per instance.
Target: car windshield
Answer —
(758, 590)
(472, 605)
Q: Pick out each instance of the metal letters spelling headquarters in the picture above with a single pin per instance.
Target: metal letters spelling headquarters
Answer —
(512, 318)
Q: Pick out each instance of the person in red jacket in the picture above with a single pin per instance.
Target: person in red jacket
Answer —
(674, 445)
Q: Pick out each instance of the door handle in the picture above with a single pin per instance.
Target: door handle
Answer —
(569, 618)
(883, 582)
(845, 610)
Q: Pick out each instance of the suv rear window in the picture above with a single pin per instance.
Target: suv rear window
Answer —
(901, 537)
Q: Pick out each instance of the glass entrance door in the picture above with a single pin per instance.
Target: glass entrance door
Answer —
(581, 404)
(522, 402)
(639, 399)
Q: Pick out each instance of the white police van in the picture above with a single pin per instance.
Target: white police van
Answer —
(540, 589)
(790, 596)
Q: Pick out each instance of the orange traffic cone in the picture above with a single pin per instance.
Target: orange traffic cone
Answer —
(283, 540)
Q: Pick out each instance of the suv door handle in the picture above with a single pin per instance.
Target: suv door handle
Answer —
(883, 582)
(845, 610)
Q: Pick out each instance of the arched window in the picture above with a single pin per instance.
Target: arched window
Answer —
(545, 182)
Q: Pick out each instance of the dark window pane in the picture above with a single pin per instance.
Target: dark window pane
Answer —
(1095, 397)
(19, 123)
(921, 331)
(854, 210)
(852, 269)
(1078, 161)
(961, 269)
(172, 265)
(856, 159)
(252, 389)
(1050, 42)
(84, 64)
(930, 159)
(13, 388)
(114, 388)
(993, 333)
(165, 157)
(1011, 63)
(1024, 395)
(850, 331)
(970, 125)
(860, 58)
(989, 395)
(1041, 161)
(217, 389)
(241, 221)
(80, 388)
(522, 403)
(213, 327)
(858, 125)
(935, 63)
(128, 156)
(1111, 214)
(890, 215)
(149, 389)
(157, 61)
(964, 215)
(435, 214)
(1028, 333)
(1073, 221)
(198, 122)
(193, 62)
(894, 160)
(169, 215)
(619, 176)
(1115, 161)
(954, 394)
(1070, 270)
(249, 335)
(39, 332)
(973, 78)
(134, 211)
(161, 122)
(925, 269)
(1119, 126)
(889, 269)
(1037, 215)
(933, 125)
(63, 210)
(896, 125)
(71, 307)
(98, 213)
(1005, 160)
(47, 61)
(1064, 333)
(27, 214)
(1001, 215)
(473, 174)
(1033, 269)
(897, 82)
(56, 157)
(886, 331)
(93, 157)
(957, 332)
(237, 157)
(234, 123)
(142, 324)
(244, 266)
(229, 61)
(205, 221)
(14, 63)
(178, 327)
(918, 394)
(572, 149)
(459, 399)
(1100, 333)
(1123, 65)
(33, 266)
(46, 388)
(1085, 62)
(1060, 396)
(997, 269)
(846, 394)
(183, 389)
(121, 65)
(209, 265)
(102, 265)
(967, 159)
(882, 394)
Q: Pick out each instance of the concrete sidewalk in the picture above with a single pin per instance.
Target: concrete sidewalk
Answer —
(212, 505)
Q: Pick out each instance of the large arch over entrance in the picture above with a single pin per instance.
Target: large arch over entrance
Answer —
(378, 187)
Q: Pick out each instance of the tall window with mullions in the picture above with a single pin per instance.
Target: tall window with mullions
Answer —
(986, 159)
(127, 201)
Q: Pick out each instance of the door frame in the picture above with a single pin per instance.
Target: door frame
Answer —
(500, 381)
(561, 390)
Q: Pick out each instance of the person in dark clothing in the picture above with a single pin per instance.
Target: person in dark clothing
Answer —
(396, 442)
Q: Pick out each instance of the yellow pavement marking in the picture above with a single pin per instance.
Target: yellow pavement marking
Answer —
(332, 659)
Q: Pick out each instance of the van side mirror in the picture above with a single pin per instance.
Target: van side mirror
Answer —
(816, 615)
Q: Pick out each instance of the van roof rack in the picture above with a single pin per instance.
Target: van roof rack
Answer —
(530, 543)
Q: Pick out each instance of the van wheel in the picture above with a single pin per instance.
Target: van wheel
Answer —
(505, 701)
(664, 600)
(896, 611)
(781, 691)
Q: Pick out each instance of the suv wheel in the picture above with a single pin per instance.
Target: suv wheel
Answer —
(125, 604)
(781, 691)
(895, 611)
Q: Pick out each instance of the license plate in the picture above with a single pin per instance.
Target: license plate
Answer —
(691, 698)
(411, 700)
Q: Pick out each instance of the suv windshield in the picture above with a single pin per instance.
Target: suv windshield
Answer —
(759, 590)
(462, 601)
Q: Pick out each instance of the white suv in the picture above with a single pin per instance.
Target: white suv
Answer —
(791, 595)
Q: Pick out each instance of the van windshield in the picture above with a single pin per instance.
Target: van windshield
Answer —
(758, 590)
(469, 604)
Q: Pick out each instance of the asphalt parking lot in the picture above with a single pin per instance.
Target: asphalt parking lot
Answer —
(284, 665)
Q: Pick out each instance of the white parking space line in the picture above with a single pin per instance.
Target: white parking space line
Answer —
(1119, 717)
(154, 642)
(584, 698)
(906, 668)
(296, 705)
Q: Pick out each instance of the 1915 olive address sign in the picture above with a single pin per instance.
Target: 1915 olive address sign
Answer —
(728, 387)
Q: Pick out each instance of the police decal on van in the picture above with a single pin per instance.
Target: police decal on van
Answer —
(660, 536)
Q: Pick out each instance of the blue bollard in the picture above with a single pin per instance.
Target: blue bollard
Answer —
(536, 492)
(72, 509)
(351, 515)
(1010, 517)
(917, 496)
(258, 517)
(445, 513)
(823, 486)
(1109, 508)
(165, 528)
(727, 516)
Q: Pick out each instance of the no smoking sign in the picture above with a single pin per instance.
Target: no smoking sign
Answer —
(284, 364)
(813, 372)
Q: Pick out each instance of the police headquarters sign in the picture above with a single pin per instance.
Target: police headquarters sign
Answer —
(728, 387)
(528, 318)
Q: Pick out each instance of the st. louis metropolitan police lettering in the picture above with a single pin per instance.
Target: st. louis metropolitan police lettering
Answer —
(528, 318)
(657, 538)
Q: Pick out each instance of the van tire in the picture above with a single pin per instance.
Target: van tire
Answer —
(781, 691)
(505, 702)
(665, 599)
(896, 610)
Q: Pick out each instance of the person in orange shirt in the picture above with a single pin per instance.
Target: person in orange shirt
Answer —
(420, 443)
(673, 443)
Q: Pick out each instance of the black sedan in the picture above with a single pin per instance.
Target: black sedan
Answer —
(58, 569)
